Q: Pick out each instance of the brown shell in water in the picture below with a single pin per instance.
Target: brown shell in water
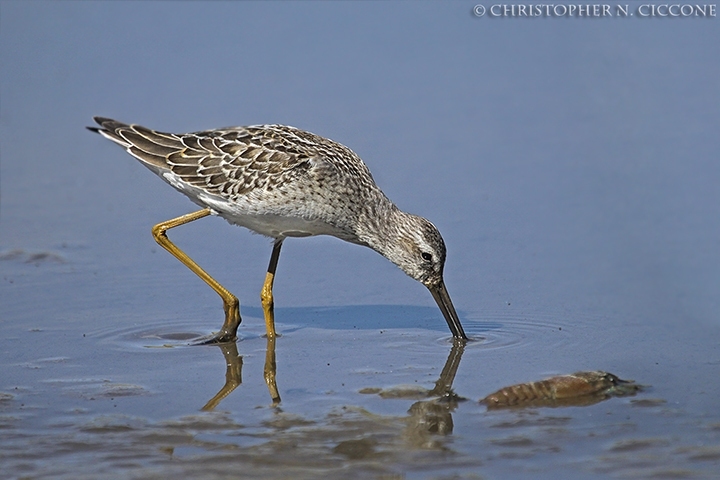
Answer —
(577, 389)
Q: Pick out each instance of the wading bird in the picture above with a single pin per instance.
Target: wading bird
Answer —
(282, 182)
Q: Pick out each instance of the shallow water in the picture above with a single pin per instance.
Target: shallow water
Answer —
(570, 165)
(123, 395)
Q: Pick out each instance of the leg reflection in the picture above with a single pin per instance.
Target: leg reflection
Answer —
(270, 370)
(233, 374)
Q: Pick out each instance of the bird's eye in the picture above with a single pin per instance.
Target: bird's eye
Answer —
(426, 256)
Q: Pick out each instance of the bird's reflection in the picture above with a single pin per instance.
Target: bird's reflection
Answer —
(434, 412)
(360, 435)
(233, 373)
(434, 416)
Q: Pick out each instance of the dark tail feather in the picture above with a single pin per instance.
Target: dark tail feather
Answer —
(146, 145)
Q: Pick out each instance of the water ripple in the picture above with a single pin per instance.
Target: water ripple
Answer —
(501, 330)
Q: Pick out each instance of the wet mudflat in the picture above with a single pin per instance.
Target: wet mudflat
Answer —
(571, 169)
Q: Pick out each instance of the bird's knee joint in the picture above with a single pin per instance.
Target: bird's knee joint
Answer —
(233, 301)
(158, 232)
(232, 308)
(266, 297)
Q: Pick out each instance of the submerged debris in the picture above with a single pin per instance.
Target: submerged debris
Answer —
(35, 258)
(577, 389)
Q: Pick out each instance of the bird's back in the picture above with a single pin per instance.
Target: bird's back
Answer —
(274, 179)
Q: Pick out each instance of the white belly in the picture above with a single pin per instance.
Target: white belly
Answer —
(280, 226)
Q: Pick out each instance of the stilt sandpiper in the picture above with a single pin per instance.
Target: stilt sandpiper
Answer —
(282, 182)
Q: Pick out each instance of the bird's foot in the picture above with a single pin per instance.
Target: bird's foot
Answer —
(223, 336)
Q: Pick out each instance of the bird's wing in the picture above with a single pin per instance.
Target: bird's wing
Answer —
(234, 161)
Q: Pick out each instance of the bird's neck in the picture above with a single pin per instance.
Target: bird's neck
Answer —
(384, 229)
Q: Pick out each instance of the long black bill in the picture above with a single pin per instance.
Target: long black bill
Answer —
(441, 296)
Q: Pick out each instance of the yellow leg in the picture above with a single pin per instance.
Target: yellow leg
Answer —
(266, 295)
(228, 333)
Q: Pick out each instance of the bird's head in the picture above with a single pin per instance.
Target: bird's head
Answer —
(419, 250)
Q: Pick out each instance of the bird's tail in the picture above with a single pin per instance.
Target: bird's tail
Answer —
(150, 147)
